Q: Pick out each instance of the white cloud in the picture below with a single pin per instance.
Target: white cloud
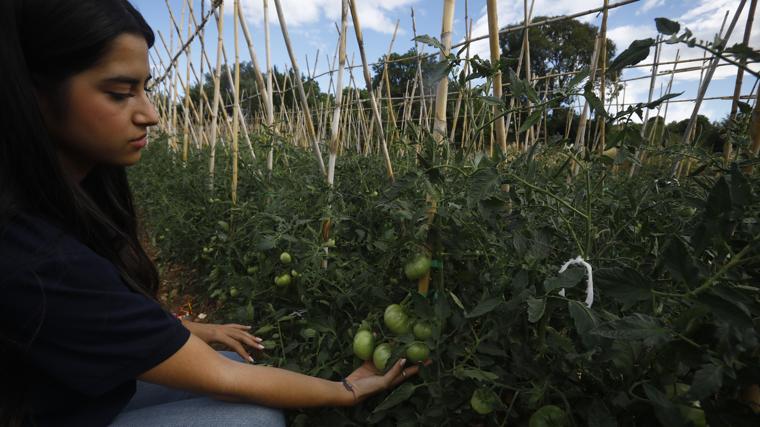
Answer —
(373, 13)
(649, 5)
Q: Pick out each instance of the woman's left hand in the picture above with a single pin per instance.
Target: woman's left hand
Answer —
(232, 335)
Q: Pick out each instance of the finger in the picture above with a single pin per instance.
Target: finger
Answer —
(405, 374)
(249, 340)
(235, 325)
(238, 348)
(394, 371)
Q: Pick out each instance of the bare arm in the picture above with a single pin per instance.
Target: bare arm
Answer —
(199, 368)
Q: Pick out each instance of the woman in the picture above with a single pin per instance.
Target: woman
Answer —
(79, 319)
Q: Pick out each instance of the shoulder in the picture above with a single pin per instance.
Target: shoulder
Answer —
(28, 242)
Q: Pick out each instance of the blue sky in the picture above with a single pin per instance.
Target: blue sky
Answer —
(311, 24)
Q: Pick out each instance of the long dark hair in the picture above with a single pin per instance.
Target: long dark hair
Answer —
(42, 44)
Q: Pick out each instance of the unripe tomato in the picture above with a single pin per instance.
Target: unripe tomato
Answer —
(308, 333)
(417, 352)
(483, 401)
(396, 319)
(548, 416)
(422, 330)
(233, 292)
(381, 355)
(417, 267)
(285, 258)
(252, 270)
(330, 243)
(364, 344)
(283, 280)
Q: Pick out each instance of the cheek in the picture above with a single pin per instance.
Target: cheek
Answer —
(96, 124)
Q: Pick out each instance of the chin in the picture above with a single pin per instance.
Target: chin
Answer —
(130, 160)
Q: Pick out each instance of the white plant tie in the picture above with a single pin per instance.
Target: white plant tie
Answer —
(589, 280)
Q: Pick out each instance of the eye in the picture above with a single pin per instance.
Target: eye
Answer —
(117, 96)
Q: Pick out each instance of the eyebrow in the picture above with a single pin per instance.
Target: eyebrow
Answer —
(126, 80)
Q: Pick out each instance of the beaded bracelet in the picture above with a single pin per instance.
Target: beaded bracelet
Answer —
(348, 387)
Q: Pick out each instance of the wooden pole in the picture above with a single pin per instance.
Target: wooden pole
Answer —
(235, 105)
(602, 80)
(441, 97)
(312, 135)
(740, 77)
(493, 42)
(368, 81)
(217, 101)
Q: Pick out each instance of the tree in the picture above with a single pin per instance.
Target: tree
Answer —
(559, 47)
(401, 72)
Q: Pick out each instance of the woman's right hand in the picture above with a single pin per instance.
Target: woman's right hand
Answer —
(367, 380)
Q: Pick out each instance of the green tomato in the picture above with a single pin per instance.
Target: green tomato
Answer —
(308, 333)
(330, 243)
(268, 344)
(417, 352)
(381, 355)
(285, 258)
(364, 344)
(374, 194)
(396, 319)
(422, 330)
(548, 416)
(233, 292)
(283, 280)
(252, 270)
(417, 267)
(294, 273)
(483, 401)
(695, 415)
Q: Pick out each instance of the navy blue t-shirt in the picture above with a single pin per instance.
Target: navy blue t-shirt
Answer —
(93, 335)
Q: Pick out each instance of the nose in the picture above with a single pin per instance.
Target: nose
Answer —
(146, 114)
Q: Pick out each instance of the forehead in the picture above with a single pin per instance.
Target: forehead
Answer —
(127, 54)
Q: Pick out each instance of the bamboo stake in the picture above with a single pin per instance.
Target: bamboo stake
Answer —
(368, 80)
(754, 132)
(217, 101)
(439, 125)
(645, 123)
(706, 82)
(602, 77)
(236, 105)
(186, 109)
(270, 103)
(493, 30)
(299, 84)
(739, 77)
(334, 135)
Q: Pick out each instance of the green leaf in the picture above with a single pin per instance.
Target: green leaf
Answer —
(625, 285)
(636, 52)
(666, 26)
(577, 79)
(531, 120)
(599, 415)
(594, 102)
(741, 191)
(457, 301)
(585, 322)
(438, 71)
(475, 374)
(429, 40)
(706, 381)
(491, 100)
(743, 52)
(662, 99)
(634, 327)
(484, 307)
(401, 394)
(536, 308)
(667, 413)
(567, 279)
(680, 263)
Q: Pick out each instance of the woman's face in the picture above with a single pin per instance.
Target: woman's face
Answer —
(106, 111)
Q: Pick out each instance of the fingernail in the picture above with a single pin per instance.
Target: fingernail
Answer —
(261, 347)
(258, 339)
(250, 359)
(403, 362)
(249, 327)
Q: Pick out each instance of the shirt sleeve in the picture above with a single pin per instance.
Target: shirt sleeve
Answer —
(87, 328)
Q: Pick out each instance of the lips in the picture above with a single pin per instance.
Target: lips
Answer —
(139, 138)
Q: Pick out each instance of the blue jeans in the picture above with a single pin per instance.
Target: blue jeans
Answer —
(157, 405)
